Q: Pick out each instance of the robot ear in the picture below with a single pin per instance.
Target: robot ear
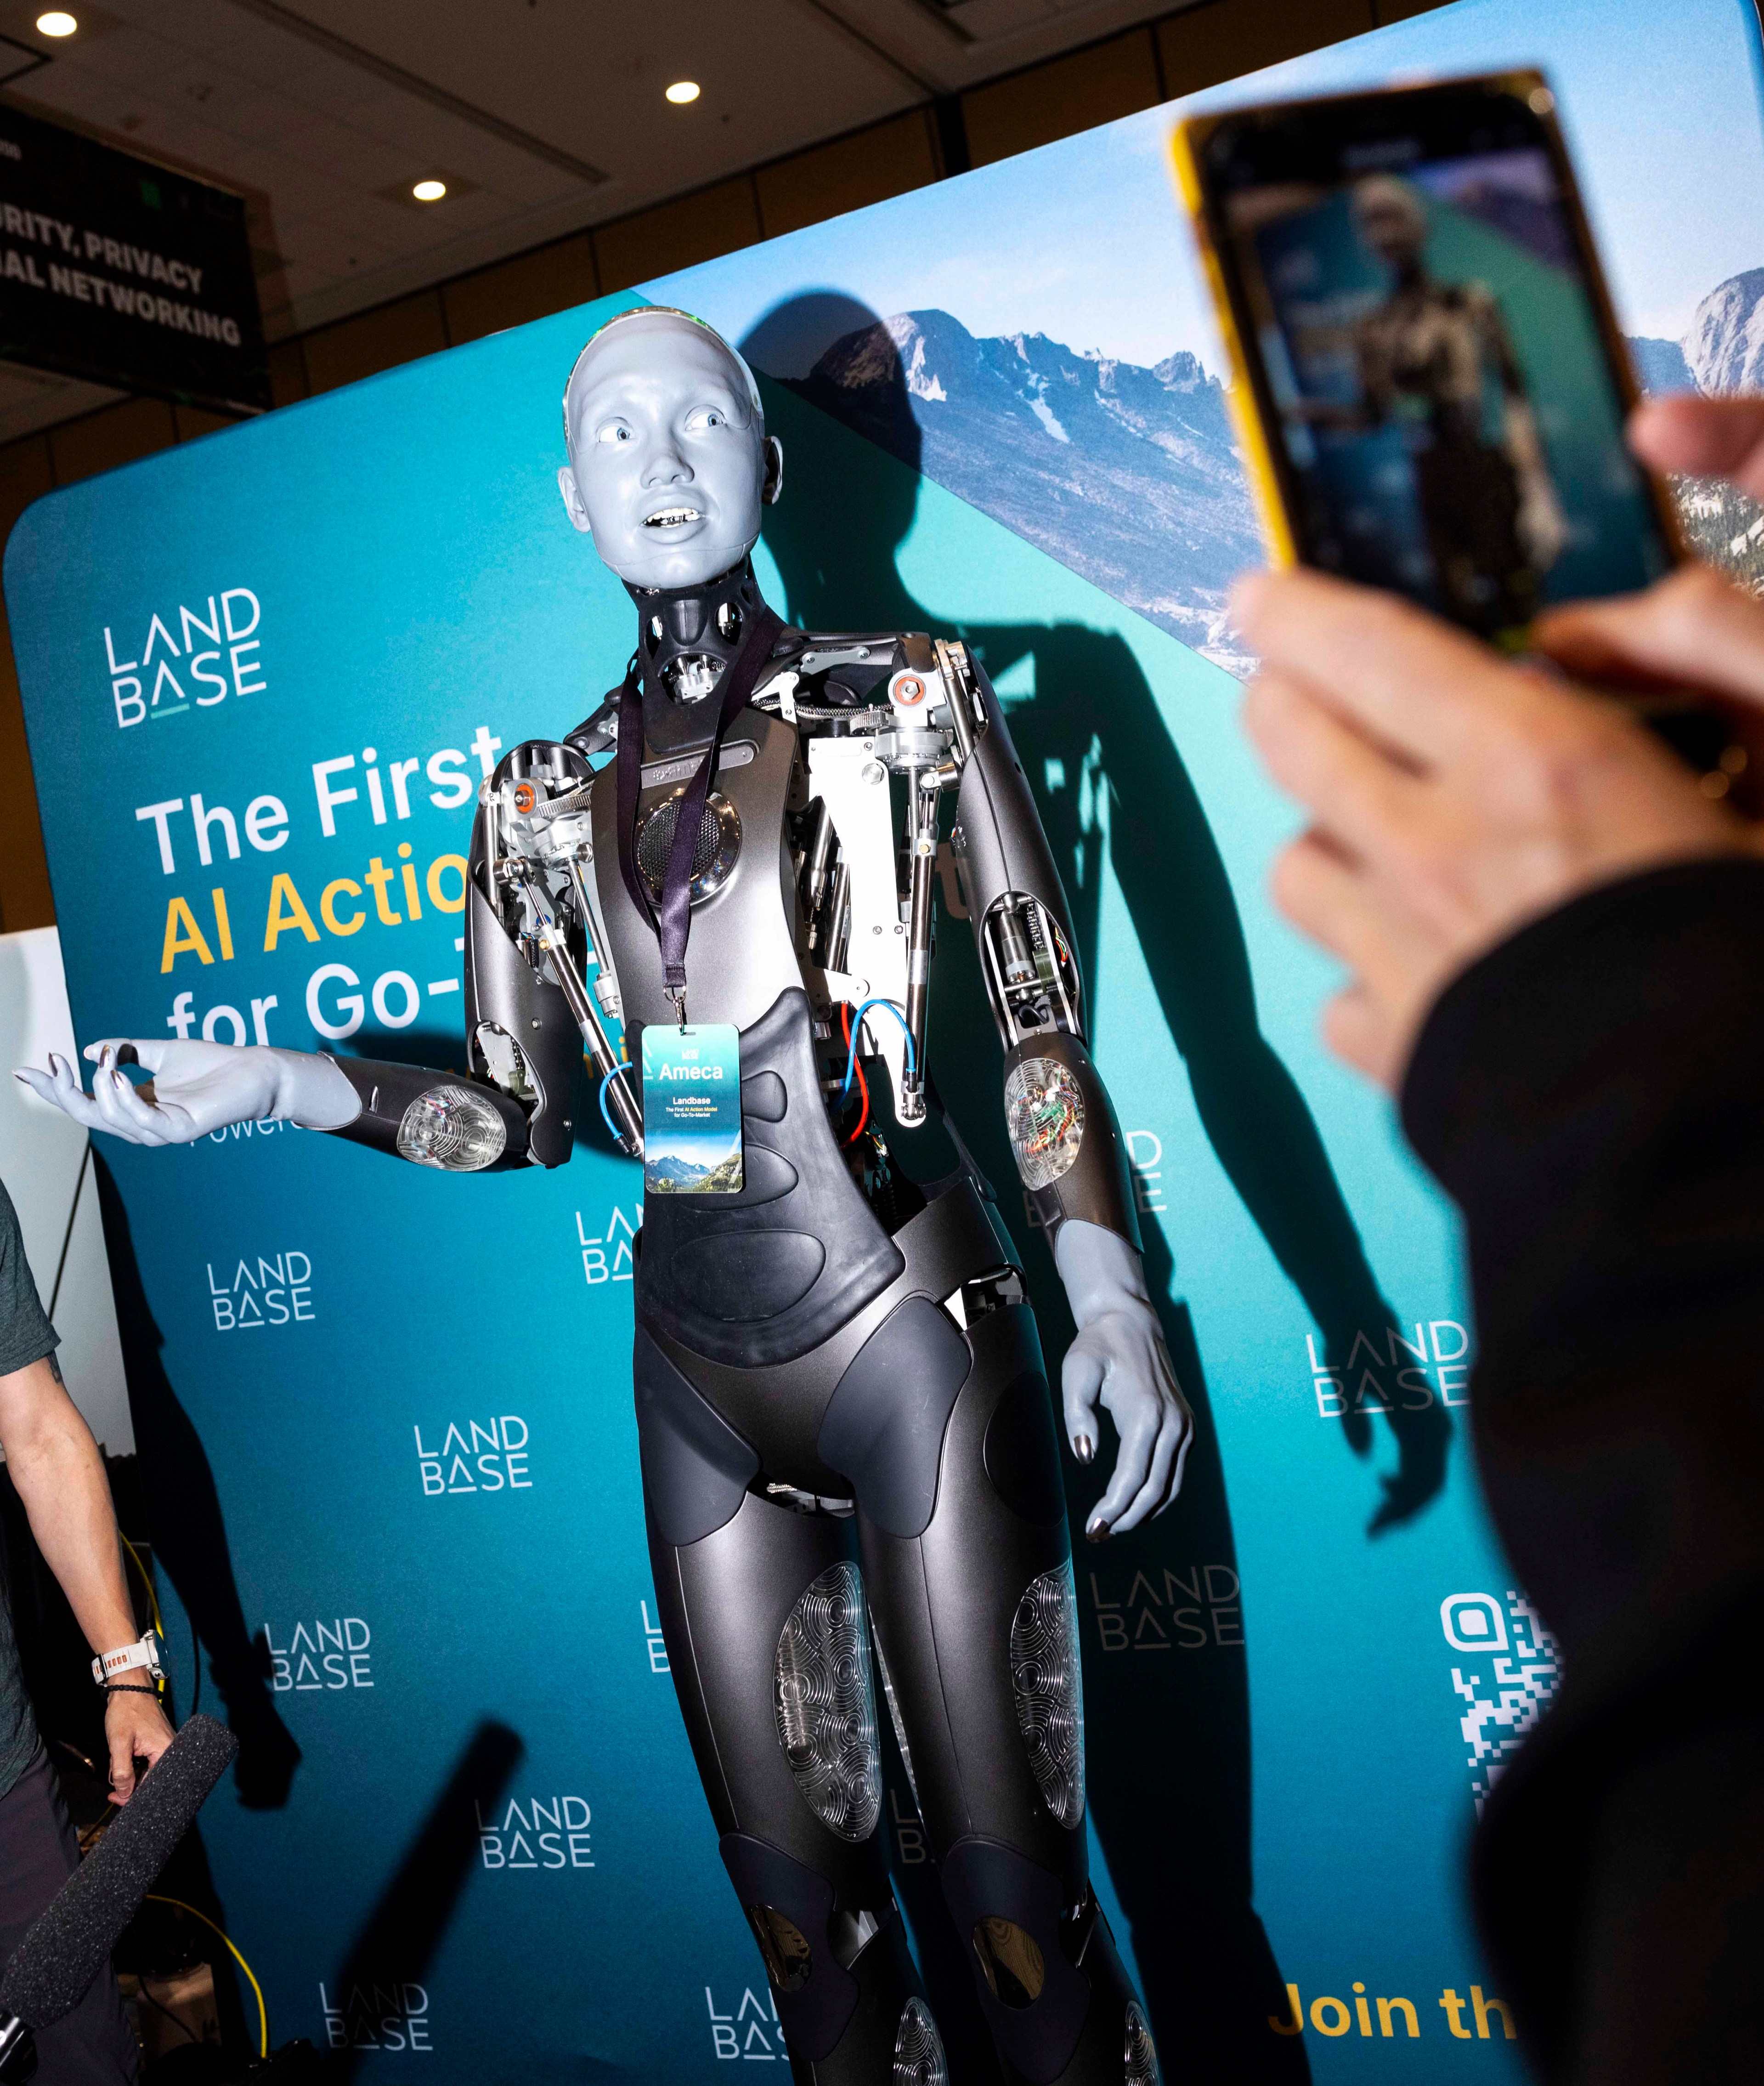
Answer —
(574, 504)
(773, 483)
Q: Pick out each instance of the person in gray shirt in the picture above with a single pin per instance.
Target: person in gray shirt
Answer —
(59, 1474)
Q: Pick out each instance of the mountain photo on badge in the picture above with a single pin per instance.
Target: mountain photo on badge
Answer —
(691, 1110)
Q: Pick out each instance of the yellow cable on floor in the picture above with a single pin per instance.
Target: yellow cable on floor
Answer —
(263, 2011)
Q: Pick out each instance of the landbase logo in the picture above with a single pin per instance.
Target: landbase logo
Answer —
(749, 2030)
(374, 2016)
(328, 1657)
(263, 1292)
(547, 1832)
(609, 1255)
(478, 1456)
(1466, 2020)
(1385, 1371)
(1200, 1609)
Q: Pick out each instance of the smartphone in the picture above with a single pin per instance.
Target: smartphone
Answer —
(1430, 384)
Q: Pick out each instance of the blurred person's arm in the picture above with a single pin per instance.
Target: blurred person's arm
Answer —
(1554, 944)
(59, 1474)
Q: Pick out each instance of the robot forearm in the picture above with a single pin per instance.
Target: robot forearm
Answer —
(432, 1118)
(1064, 1137)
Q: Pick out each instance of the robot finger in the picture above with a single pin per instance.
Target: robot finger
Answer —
(1181, 1469)
(1139, 1441)
(59, 1087)
(1153, 1494)
(1081, 1386)
(127, 1051)
(121, 1112)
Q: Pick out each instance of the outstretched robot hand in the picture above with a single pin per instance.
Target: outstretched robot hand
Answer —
(193, 1089)
(1119, 1362)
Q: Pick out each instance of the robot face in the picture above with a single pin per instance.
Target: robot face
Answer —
(1391, 218)
(669, 463)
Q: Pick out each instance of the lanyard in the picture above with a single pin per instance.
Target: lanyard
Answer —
(672, 917)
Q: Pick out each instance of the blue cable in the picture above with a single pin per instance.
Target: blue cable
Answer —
(857, 1018)
(624, 1066)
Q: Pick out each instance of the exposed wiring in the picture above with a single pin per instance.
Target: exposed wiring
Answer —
(858, 1013)
(159, 1623)
(863, 1084)
(263, 2011)
(606, 1114)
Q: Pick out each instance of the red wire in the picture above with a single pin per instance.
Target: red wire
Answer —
(863, 1085)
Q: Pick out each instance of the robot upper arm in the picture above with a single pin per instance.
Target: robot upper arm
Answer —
(1063, 1132)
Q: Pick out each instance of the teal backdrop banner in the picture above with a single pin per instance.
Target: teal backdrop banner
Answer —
(384, 1414)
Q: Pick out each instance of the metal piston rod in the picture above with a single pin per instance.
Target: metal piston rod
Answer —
(587, 1017)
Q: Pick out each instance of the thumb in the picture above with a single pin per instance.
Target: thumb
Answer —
(1081, 1384)
(1707, 437)
(121, 1767)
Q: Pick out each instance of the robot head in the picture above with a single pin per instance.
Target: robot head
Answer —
(1391, 217)
(670, 459)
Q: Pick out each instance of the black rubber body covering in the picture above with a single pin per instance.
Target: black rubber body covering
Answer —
(762, 1277)
(815, 2017)
(1021, 1458)
(983, 1880)
(387, 1091)
(884, 1427)
(695, 1466)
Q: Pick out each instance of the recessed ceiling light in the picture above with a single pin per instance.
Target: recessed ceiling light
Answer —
(56, 23)
(683, 91)
(429, 191)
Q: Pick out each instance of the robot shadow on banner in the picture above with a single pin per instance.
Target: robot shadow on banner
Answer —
(1168, 1741)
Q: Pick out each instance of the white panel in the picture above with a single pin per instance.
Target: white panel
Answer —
(42, 1161)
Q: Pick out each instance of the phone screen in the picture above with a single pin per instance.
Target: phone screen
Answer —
(1423, 302)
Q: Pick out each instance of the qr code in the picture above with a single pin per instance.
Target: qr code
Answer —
(1517, 1670)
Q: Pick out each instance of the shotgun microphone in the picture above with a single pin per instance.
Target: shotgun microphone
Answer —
(70, 1941)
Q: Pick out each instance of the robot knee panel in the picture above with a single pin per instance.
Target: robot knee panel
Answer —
(827, 1706)
(847, 1995)
(1055, 1997)
(1008, 1909)
(790, 1909)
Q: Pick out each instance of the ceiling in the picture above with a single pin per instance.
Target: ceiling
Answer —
(542, 116)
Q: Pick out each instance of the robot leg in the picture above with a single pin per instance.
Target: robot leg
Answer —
(967, 1562)
(762, 1613)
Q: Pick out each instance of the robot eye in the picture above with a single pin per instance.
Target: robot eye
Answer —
(706, 416)
(613, 431)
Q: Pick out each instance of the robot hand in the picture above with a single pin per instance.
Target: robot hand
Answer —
(196, 1088)
(1119, 1361)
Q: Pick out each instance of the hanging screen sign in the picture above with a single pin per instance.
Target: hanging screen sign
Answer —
(122, 272)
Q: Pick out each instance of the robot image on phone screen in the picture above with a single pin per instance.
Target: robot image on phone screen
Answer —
(1447, 405)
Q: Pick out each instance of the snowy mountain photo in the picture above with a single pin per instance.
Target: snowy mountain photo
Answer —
(1127, 475)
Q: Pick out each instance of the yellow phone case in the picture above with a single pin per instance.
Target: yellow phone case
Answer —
(1188, 144)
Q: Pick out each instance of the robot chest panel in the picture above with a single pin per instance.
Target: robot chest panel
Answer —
(741, 952)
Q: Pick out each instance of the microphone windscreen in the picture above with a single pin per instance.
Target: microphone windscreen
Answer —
(70, 1942)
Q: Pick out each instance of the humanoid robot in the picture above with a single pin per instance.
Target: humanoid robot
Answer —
(1429, 354)
(844, 1420)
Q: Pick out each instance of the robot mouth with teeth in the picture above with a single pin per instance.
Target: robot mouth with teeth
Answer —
(847, 1441)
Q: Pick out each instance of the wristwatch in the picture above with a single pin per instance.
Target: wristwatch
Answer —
(145, 1653)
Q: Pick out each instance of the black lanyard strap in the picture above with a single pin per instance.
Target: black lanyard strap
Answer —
(672, 917)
